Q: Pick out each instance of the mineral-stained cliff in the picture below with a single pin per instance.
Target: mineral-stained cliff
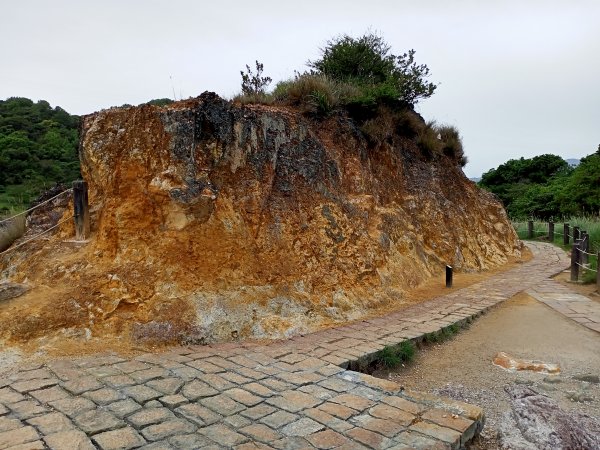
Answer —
(227, 221)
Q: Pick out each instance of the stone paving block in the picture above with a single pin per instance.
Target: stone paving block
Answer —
(292, 443)
(317, 391)
(198, 414)
(141, 393)
(217, 382)
(150, 416)
(410, 441)
(104, 396)
(35, 445)
(32, 374)
(394, 414)
(279, 419)
(368, 438)
(337, 384)
(404, 405)
(143, 376)
(221, 362)
(253, 375)
(8, 395)
(18, 436)
(103, 371)
(382, 426)
(168, 428)
(51, 423)
(167, 386)
(300, 378)
(73, 406)
(78, 386)
(293, 401)
(302, 427)
(69, 440)
(121, 439)
(49, 394)
(3, 410)
(8, 423)
(205, 366)
(189, 441)
(452, 437)
(261, 433)
(173, 401)
(222, 404)
(223, 435)
(95, 421)
(131, 366)
(98, 360)
(244, 397)
(123, 408)
(186, 373)
(327, 439)
(196, 389)
(237, 421)
(253, 446)
(158, 445)
(241, 360)
(258, 411)
(259, 389)
(353, 401)
(119, 381)
(328, 420)
(447, 419)
(337, 410)
(27, 409)
(235, 378)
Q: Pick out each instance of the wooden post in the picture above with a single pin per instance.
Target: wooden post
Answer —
(584, 246)
(81, 210)
(566, 234)
(598, 271)
(575, 233)
(574, 261)
(550, 231)
(448, 276)
(530, 229)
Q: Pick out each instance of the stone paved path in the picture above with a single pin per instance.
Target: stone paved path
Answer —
(575, 306)
(298, 393)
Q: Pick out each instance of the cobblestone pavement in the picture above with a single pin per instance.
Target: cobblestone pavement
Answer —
(575, 306)
(298, 393)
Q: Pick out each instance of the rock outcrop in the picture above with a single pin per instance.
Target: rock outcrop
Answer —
(256, 221)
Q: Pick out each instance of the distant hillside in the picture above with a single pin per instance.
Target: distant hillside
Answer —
(38, 148)
(547, 186)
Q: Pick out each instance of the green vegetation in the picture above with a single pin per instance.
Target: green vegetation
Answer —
(392, 356)
(589, 224)
(38, 148)
(360, 77)
(546, 187)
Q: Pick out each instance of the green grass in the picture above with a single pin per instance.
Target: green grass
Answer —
(589, 224)
(392, 356)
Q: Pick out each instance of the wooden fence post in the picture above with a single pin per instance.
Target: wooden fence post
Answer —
(598, 271)
(81, 210)
(584, 246)
(575, 233)
(551, 231)
(448, 276)
(530, 229)
(566, 234)
(574, 261)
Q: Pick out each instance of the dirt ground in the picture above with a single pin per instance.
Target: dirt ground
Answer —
(462, 367)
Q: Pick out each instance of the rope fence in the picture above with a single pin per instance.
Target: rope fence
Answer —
(8, 219)
(80, 215)
(583, 257)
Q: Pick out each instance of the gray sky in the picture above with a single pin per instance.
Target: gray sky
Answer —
(518, 78)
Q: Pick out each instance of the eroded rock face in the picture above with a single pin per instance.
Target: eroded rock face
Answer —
(256, 221)
(538, 422)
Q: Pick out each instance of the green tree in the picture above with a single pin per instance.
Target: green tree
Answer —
(367, 62)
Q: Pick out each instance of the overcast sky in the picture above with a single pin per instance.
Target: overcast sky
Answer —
(518, 78)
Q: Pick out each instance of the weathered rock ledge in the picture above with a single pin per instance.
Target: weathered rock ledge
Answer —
(220, 221)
